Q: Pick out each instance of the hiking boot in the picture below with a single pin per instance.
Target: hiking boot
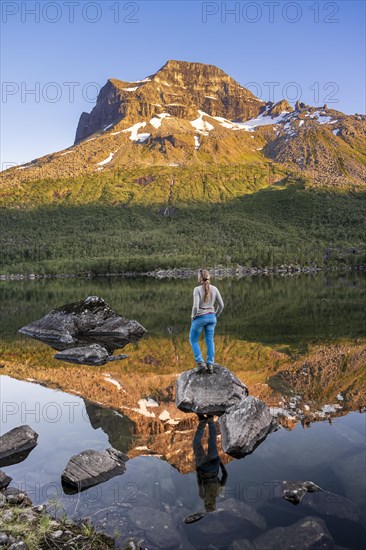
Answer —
(200, 366)
(209, 368)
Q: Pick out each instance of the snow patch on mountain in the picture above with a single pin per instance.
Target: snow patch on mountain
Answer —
(157, 120)
(135, 136)
(201, 125)
(105, 161)
(147, 79)
(322, 118)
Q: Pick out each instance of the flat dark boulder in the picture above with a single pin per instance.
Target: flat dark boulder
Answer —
(16, 444)
(209, 393)
(245, 425)
(95, 354)
(91, 467)
(82, 324)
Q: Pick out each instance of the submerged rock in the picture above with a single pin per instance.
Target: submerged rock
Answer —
(209, 393)
(294, 491)
(309, 533)
(92, 467)
(245, 425)
(230, 517)
(82, 324)
(157, 526)
(16, 444)
(94, 354)
(330, 504)
(241, 544)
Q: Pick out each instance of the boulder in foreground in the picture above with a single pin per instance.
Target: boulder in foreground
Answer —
(209, 393)
(84, 323)
(92, 467)
(245, 425)
(16, 444)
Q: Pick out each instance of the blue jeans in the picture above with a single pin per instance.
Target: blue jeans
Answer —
(208, 323)
(206, 462)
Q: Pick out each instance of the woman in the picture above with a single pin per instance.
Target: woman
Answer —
(204, 316)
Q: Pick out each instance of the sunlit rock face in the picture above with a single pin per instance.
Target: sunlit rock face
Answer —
(178, 88)
(90, 330)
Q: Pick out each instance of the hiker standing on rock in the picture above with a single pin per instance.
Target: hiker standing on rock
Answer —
(204, 316)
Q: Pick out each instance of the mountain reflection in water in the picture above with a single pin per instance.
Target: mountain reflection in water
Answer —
(297, 343)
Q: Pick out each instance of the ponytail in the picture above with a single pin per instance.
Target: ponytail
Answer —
(205, 282)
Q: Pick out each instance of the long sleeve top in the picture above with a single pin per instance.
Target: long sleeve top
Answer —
(200, 307)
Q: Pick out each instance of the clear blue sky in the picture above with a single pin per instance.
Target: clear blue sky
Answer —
(88, 42)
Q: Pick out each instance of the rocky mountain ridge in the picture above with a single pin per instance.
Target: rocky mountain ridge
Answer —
(179, 88)
(189, 114)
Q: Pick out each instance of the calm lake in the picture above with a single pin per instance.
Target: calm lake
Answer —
(271, 329)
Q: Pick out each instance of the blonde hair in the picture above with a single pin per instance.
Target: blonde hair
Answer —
(205, 282)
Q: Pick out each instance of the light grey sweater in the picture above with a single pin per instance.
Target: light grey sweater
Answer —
(200, 307)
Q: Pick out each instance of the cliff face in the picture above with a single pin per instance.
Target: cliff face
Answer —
(179, 88)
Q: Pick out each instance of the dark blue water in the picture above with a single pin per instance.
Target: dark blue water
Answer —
(331, 455)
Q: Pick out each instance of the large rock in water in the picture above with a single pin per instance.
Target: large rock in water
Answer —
(92, 467)
(209, 393)
(245, 425)
(82, 324)
(16, 444)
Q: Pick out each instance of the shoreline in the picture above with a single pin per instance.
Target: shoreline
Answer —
(186, 273)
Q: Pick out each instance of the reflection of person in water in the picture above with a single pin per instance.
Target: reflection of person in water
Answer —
(208, 464)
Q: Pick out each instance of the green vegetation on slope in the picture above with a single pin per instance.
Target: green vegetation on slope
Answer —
(278, 225)
(142, 185)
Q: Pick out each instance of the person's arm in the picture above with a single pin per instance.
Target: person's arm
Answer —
(196, 303)
(220, 301)
(201, 487)
(224, 475)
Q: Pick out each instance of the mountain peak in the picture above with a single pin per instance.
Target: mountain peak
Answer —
(180, 88)
(188, 65)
